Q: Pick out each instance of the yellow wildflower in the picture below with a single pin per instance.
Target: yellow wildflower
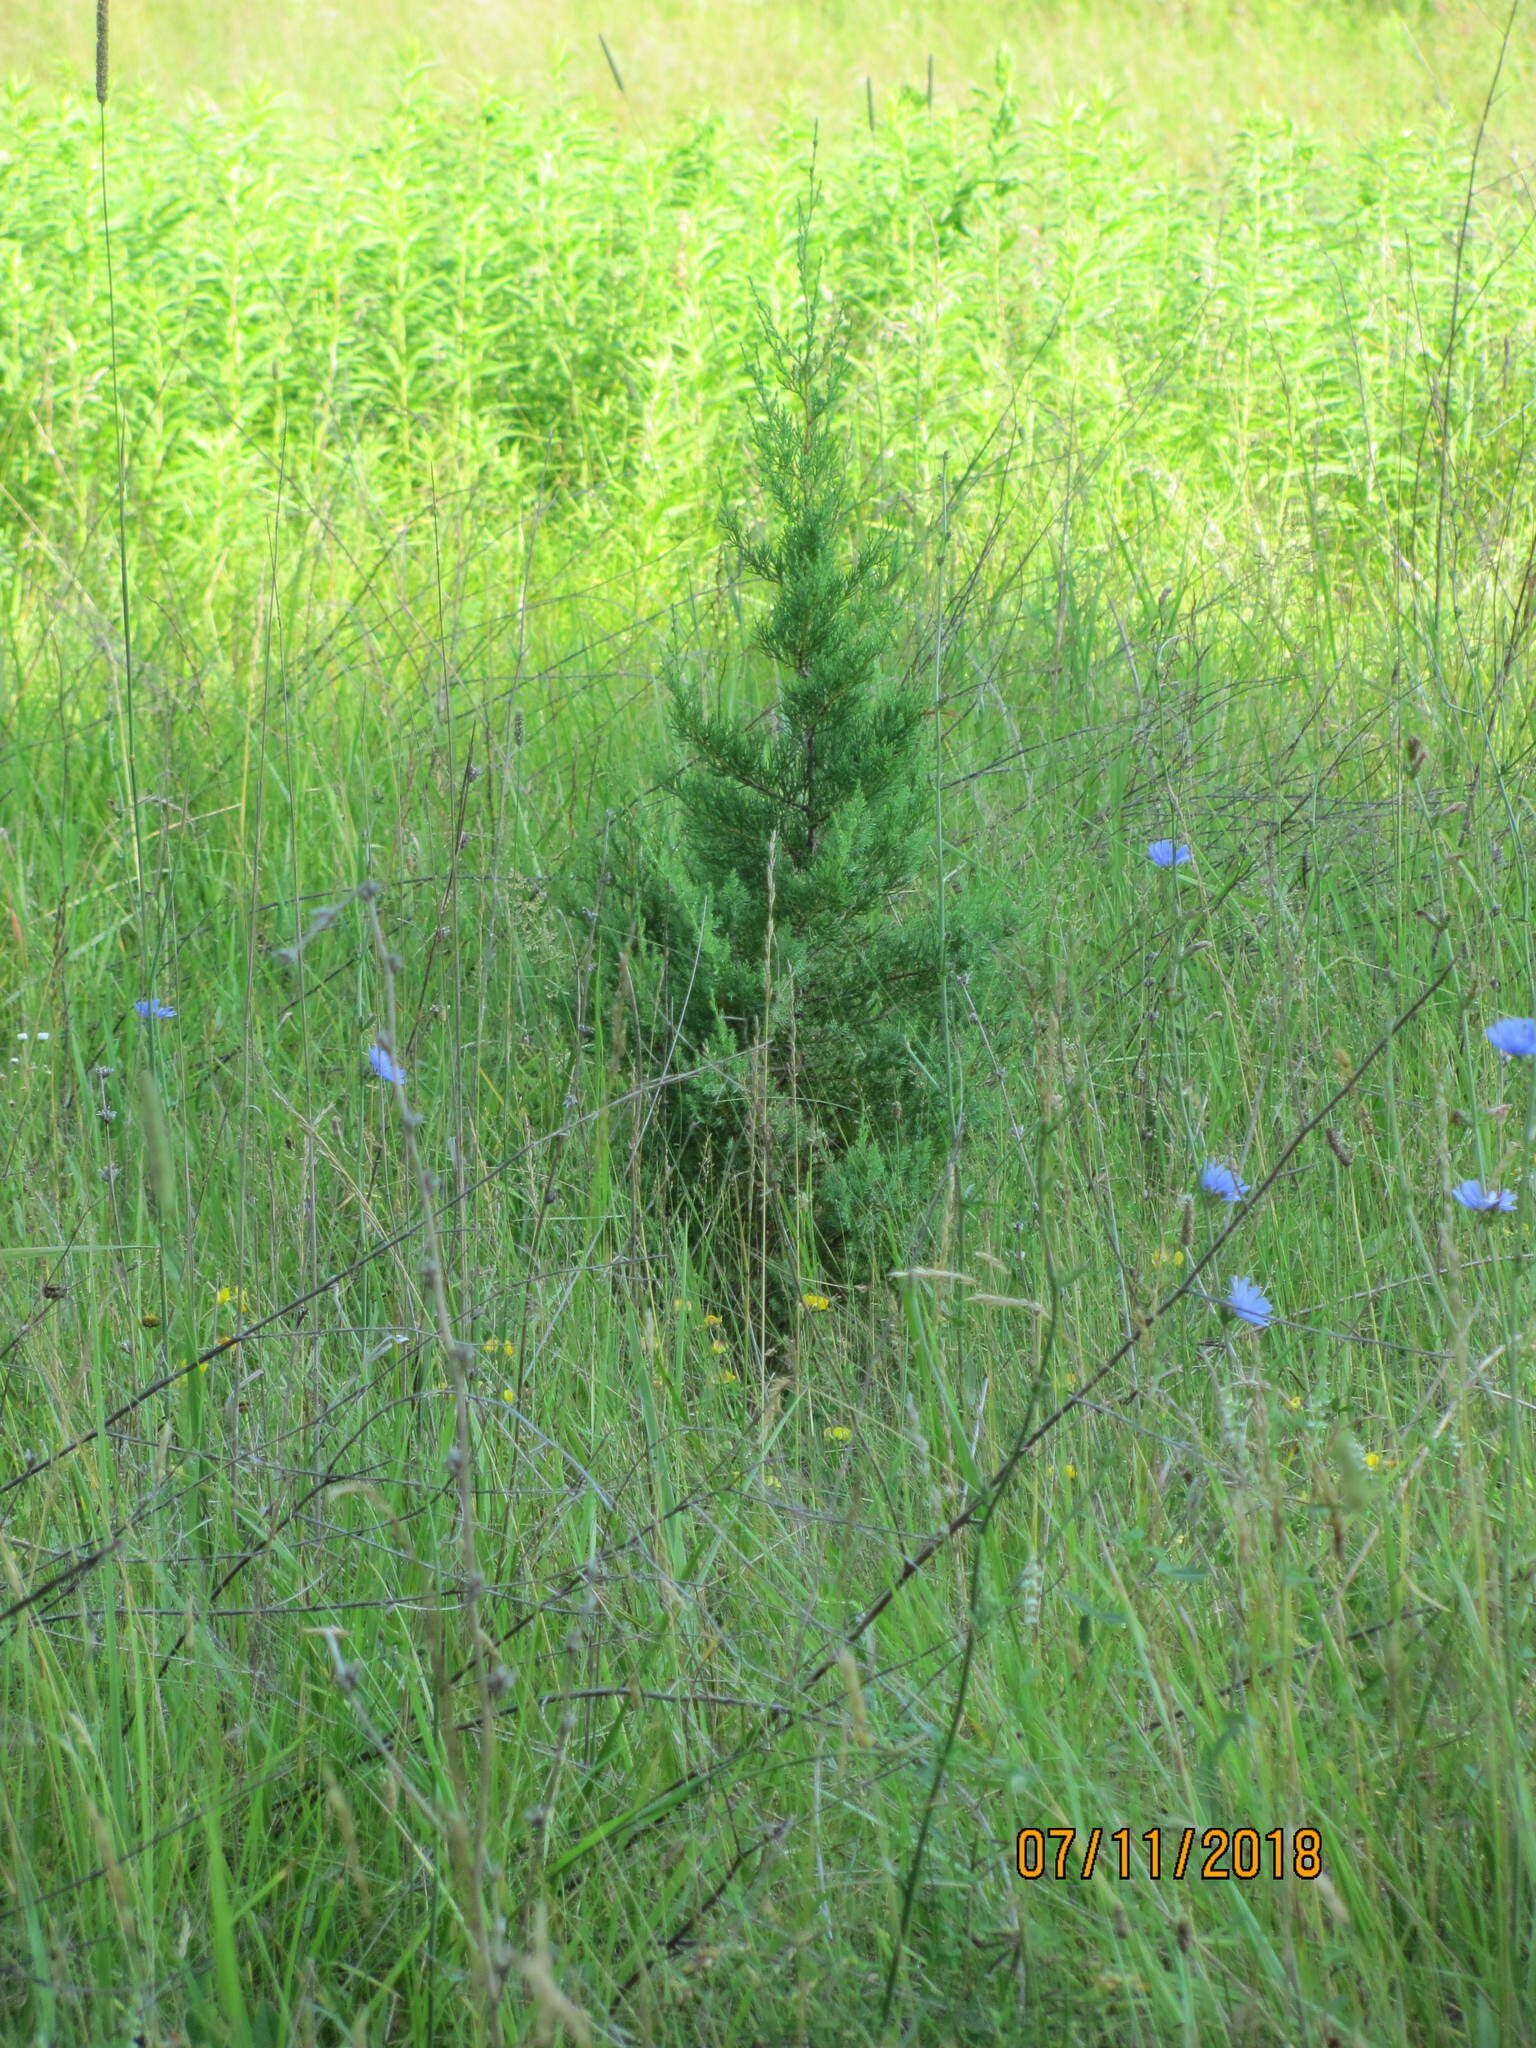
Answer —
(507, 1394)
(837, 1435)
(712, 1322)
(1293, 1402)
(816, 1301)
(150, 1320)
(718, 1348)
(1069, 1471)
(727, 1379)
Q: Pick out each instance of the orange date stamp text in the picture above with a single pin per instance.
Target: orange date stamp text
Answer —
(1214, 1855)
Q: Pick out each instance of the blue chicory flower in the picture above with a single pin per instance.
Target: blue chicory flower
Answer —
(1473, 1195)
(1222, 1181)
(1514, 1036)
(1249, 1305)
(1167, 853)
(381, 1063)
(148, 1008)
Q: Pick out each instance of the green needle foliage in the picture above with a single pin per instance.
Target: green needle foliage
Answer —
(787, 943)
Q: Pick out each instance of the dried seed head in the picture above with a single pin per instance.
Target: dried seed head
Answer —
(161, 1171)
(101, 52)
(1031, 1587)
(858, 1712)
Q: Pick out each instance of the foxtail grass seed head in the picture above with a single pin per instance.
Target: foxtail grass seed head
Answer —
(101, 51)
(1338, 1148)
(556, 2015)
(159, 1170)
(858, 1712)
(1353, 1470)
(1031, 1592)
(1232, 1415)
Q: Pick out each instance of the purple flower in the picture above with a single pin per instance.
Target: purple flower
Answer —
(1249, 1305)
(1168, 853)
(1473, 1195)
(148, 1008)
(385, 1067)
(1514, 1036)
(1222, 1181)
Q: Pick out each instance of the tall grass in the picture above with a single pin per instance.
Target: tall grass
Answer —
(423, 1622)
(1189, 71)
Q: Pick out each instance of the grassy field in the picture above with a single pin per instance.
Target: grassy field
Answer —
(434, 1611)
(1188, 70)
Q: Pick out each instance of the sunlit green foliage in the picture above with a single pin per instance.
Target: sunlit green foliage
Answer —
(359, 1688)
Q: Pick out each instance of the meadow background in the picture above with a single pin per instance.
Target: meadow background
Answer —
(432, 1611)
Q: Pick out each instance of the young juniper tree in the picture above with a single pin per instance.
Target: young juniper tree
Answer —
(781, 942)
